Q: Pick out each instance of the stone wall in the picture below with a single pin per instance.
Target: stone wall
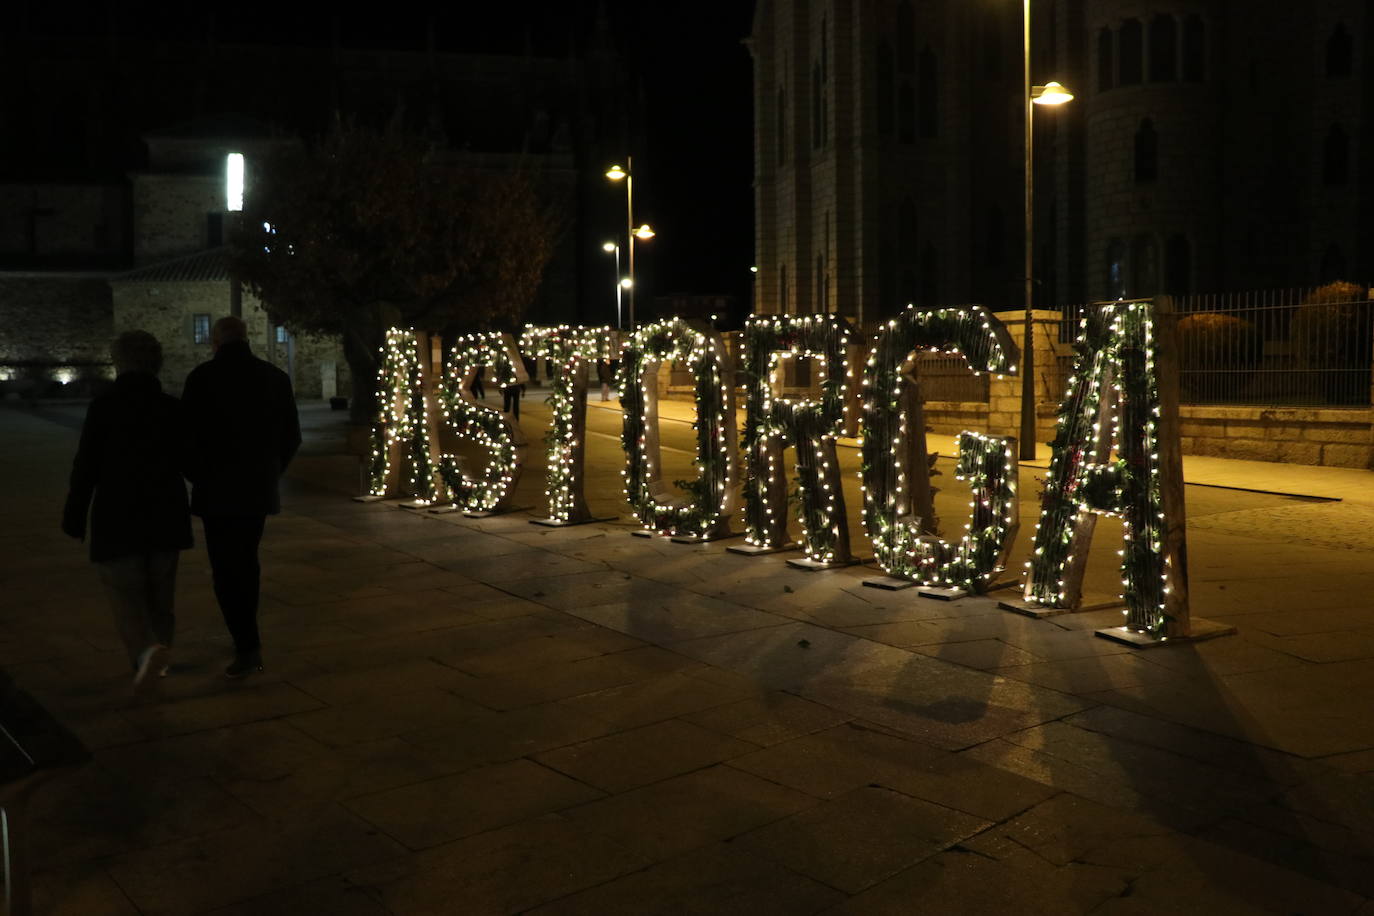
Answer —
(1293, 435)
(55, 333)
(167, 310)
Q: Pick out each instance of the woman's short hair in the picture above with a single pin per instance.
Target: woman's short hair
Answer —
(136, 351)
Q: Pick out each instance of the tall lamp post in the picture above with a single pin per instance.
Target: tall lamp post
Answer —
(643, 233)
(610, 247)
(233, 202)
(1049, 94)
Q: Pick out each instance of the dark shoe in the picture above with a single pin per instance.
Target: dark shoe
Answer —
(243, 665)
(152, 660)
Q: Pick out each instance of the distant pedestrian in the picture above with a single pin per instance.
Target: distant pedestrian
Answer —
(476, 388)
(127, 472)
(510, 399)
(243, 432)
(603, 375)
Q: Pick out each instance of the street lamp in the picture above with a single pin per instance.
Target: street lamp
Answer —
(643, 233)
(1050, 94)
(233, 202)
(610, 247)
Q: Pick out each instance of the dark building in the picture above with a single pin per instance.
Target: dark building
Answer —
(1212, 145)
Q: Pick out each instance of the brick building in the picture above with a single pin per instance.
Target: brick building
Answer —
(1212, 145)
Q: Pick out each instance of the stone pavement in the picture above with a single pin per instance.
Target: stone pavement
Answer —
(483, 716)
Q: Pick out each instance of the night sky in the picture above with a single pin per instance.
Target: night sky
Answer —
(693, 175)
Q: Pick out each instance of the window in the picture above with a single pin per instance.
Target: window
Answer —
(1338, 53)
(906, 230)
(282, 336)
(928, 98)
(782, 126)
(1130, 46)
(1163, 49)
(886, 90)
(906, 114)
(1116, 269)
(1336, 157)
(782, 289)
(1194, 50)
(817, 108)
(906, 38)
(1146, 153)
(1144, 268)
(214, 230)
(200, 329)
(822, 293)
(1178, 267)
(1106, 65)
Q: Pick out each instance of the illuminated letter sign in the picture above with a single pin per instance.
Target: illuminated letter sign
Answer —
(895, 482)
(571, 350)
(1106, 461)
(810, 426)
(702, 509)
(401, 432)
(487, 490)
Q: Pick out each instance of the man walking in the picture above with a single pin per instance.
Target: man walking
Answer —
(241, 417)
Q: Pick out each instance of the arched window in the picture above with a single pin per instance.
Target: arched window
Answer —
(782, 126)
(822, 293)
(992, 248)
(906, 230)
(1333, 264)
(992, 47)
(906, 114)
(1146, 153)
(1336, 157)
(1116, 269)
(1130, 45)
(1178, 266)
(782, 289)
(1194, 50)
(1338, 53)
(1144, 268)
(1106, 63)
(817, 108)
(930, 266)
(887, 90)
(1163, 49)
(928, 98)
(906, 38)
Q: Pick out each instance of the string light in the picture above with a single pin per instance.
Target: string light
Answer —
(1113, 379)
(903, 546)
(700, 508)
(402, 418)
(485, 426)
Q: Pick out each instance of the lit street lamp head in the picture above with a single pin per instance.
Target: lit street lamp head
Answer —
(608, 247)
(644, 233)
(615, 173)
(1051, 93)
(233, 182)
(626, 283)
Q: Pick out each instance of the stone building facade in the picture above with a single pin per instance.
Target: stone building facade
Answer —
(1212, 145)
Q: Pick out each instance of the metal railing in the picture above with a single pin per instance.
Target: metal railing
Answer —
(1270, 348)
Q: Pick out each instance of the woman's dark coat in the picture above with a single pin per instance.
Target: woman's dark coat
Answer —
(129, 463)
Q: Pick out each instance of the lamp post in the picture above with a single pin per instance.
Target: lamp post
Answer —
(643, 233)
(1049, 94)
(610, 247)
(233, 202)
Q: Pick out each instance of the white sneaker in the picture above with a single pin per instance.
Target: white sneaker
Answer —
(153, 659)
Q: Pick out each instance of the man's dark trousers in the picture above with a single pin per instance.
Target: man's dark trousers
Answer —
(231, 542)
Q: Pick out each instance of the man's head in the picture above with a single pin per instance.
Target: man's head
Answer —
(227, 330)
(136, 351)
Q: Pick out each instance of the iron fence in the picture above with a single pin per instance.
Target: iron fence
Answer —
(1270, 348)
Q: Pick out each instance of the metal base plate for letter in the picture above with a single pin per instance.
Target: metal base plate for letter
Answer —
(703, 539)
(368, 498)
(488, 513)
(889, 583)
(811, 565)
(940, 593)
(759, 550)
(414, 504)
(560, 523)
(1199, 627)
(1039, 611)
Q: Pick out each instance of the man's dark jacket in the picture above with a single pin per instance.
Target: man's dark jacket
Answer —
(129, 460)
(243, 431)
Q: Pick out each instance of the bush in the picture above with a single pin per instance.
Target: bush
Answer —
(1218, 354)
(1332, 335)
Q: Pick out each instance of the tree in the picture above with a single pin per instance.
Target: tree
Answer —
(366, 229)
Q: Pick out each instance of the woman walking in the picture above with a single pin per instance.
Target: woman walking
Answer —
(127, 474)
